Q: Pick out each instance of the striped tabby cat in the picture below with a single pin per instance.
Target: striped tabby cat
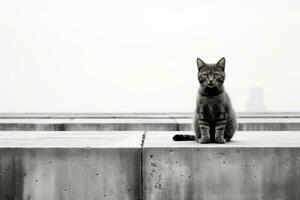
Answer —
(214, 119)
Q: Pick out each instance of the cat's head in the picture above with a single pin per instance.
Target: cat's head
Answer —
(211, 75)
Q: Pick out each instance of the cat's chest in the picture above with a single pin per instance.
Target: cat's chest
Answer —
(211, 108)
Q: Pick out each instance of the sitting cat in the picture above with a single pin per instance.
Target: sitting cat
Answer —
(214, 119)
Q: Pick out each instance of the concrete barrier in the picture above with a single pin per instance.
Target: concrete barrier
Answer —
(31, 124)
(149, 123)
(113, 165)
(138, 124)
(255, 165)
(70, 165)
(252, 124)
(142, 115)
(269, 124)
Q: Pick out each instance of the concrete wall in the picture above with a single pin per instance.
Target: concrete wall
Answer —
(141, 115)
(252, 124)
(115, 165)
(68, 167)
(138, 124)
(253, 166)
(33, 124)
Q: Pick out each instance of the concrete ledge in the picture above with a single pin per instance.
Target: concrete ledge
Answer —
(256, 165)
(253, 124)
(70, 165)
(142, 115)
(31, 124)
(111, 165)
(138, 124)
(269, 124)
(71, 139)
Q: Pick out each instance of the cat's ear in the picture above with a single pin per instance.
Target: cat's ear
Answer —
(200, 63)
(221, 63)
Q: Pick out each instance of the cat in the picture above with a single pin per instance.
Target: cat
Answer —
(214, 119)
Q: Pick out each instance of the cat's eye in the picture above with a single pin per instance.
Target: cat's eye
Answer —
(203, 75)
(217, 75)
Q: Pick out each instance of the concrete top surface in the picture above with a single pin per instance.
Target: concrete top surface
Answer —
(121, 121)
(69, 139)
(163, 139)
(250, 120)
(32, 121)
(143, 115)
(269, 120)
(132, 120)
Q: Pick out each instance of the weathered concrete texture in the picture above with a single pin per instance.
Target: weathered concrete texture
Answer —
(184, 124)
(269, 124)
(100, 171)
(252, 124)
(32, 124)
(121, 125)
(240, 170)
(140, 123)
(69, 139)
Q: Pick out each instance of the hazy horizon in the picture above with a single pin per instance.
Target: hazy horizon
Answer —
(136, 56)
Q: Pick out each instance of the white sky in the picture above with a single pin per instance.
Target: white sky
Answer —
(140, 56)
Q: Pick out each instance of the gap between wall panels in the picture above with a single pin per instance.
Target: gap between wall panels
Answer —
(142, 168)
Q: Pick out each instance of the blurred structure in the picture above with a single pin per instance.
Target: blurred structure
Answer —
(255, 102)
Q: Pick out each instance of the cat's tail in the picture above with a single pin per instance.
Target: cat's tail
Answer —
(184, 138)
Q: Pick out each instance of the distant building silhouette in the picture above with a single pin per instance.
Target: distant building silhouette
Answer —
(255, 102)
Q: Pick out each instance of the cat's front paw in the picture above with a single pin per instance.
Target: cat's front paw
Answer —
(204, 140)
(220, 140)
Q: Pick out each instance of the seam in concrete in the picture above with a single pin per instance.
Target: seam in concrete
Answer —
(177, 124)
(141, 164)
(174, 118)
